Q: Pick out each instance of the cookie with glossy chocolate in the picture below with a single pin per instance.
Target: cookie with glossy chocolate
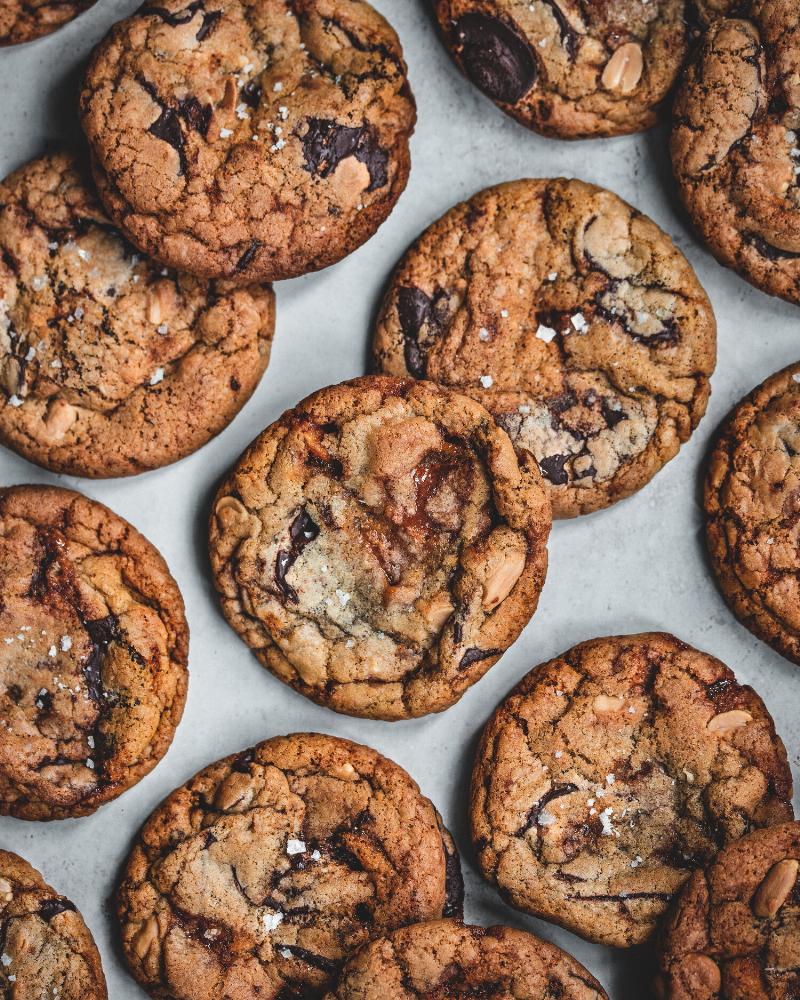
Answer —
(381, 545)
(614, 771)
(260, 875)
(93, 651)
(249, 139)
(572, 318)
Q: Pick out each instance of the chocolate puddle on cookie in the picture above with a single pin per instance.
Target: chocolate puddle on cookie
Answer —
(496, 56)
(326, 144)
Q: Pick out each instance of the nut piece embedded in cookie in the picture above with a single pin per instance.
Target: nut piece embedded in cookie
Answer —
(599, 786)
(268, 868)
(46, 950)
(93, 651)
(252, 139)
(572, 318)
(381, 545)
(571, 70)
(752, 496)
(735, 144)
(445, 958)
(734, 931)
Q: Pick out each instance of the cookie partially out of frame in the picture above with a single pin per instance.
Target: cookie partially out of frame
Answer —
(249, 139)
(93, 651)
(615, 770)
(381, 545)
(111, 364)
(25, 20)
(260, 875)
(572, 318)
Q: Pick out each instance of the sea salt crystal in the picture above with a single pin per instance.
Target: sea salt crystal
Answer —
(486, 381)
(295, 846)
(157, 376)
(272, 920)
(546, 333)
(66, 643)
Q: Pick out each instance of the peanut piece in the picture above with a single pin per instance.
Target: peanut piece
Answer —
(624, 69)
(505, 568)
(775, 888)
(605, 704)
(728, 722)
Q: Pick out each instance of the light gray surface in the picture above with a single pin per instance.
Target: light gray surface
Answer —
(637, 566)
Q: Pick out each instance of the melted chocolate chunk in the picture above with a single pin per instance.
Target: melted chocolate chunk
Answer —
(326, 144)
(167, 127)
(553, 469)
(50, 908)
(611, 416)
(210, 19)
(326, 965)
(251, 94)
(102, 632)
(247, 257)
(195, 115)
(302, 531)
(414, 310)
(473, 655)
(569, 38)
(243, 762)
(496, 57)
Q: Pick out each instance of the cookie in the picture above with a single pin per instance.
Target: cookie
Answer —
(572, 318)
(735, 148)
(444, 958)
(46, 950)
(24, 20)
(249, 139)
(380, 546)
(93, 649)
(615, 770)
(734, 932)
(261, 874)
(571, 70)
(111, 364)
(752, 494)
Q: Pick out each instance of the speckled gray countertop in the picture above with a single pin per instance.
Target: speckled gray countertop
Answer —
(640, 565)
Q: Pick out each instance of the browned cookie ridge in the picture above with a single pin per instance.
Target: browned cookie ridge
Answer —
(24, 20)
(572, 318)
(260, 875)
(93, 649)
(46, 950)
(445, 959)
(381, 545)
(249, 139)
(111, 364)
(734, 932)
(612, 772)
(752, 496)
(735, 146)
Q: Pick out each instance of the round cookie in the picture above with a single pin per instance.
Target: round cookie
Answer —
(93, 650)
(611, 773)
(24, 20)
(444, 958)
(570, 70)
(572, 318)
(249, 139)
(380, 546)
(734, 932)
(261, 874)
(752, 493)
(109, 363)
(46, 950)
(735, 148)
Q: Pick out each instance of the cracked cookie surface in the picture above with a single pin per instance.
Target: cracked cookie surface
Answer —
(612, 772)
(446, 959)
(734, 932)
(381, 545)
(572, 68)
(93, 650)
(752, 496)
(572, 318)
(249, 139)
(735, 146)
(261, 874)
(24, 20)
(46, 950)
(111, 364)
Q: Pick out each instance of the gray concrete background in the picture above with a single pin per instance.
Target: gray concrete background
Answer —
(637, 566)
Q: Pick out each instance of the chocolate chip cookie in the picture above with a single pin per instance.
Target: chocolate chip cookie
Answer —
(444, 958)
(752, 496)
(46, 950)
(572, 318)
(734, 932)
(735, 145)
(612, 772)
(380, 546)
(261, 874)
(566, 69)
(249, 139)
(93, 649)
(111, 364)
(24, 20)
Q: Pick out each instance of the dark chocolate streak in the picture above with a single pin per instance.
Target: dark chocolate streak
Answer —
(326, 144)
(302, 531)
